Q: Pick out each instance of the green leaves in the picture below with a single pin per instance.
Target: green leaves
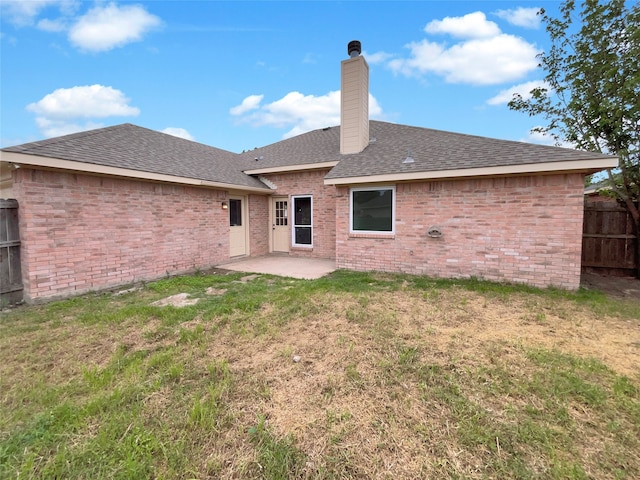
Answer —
(593, 100)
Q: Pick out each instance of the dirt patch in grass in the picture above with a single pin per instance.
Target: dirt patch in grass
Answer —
(617, 287)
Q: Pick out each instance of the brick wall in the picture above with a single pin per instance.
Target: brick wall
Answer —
(519, 229)
(259, 227)
(324, 208)
(83, 232)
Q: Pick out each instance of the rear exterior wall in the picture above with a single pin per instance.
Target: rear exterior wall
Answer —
(82, 232)
(324, 209)
(525, 229)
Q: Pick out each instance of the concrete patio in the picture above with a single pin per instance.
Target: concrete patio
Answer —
(284, 266)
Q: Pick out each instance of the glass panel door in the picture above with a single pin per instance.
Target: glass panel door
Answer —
(280, 237)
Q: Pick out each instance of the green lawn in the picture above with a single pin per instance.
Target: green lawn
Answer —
(353, 375)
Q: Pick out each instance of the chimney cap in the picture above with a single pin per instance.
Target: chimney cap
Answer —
(354, 48)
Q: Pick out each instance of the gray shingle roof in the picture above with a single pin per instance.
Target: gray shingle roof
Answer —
(432, 150)
(317, 146)
(137, 148)
(436, 150)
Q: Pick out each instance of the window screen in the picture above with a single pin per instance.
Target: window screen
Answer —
(302, 224)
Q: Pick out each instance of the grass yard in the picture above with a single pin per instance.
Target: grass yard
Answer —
(353, 375)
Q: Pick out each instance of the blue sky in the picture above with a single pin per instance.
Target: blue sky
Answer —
(238, 75)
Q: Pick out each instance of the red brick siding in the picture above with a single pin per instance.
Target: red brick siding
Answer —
(519, 229)
(82, 232)
(324, 209)
(259, 227)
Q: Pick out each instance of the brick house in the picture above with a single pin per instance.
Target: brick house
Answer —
(122, 204)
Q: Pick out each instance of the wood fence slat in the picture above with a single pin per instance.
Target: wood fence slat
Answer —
(608, 241)
(606, 235)
(10, 269)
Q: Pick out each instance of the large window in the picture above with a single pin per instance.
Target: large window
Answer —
(302, 221)
(373, 209)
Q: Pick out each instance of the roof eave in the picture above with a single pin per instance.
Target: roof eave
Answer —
(572, 166)
(20, 159)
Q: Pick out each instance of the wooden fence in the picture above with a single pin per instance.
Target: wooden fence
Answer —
(10, 271)
(608, 239)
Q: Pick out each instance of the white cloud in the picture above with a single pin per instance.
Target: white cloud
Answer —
(178, 132)
(484, 61)
(472, 25)
(24, 12)
(10, 39)
(55, 128)
(303, 113)
(91, 101)
(483, 55)
(521, 16)
(105, 27)
(540, 138)
(524, 89)
(58, 112)
(252, 102)
(377, 58)
(52, 25)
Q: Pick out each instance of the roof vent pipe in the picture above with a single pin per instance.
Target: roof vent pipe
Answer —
(354, 48)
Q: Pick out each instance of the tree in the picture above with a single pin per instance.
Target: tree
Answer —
(591, 96)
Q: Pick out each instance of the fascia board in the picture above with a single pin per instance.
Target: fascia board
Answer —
(82, 167)
(548, 167)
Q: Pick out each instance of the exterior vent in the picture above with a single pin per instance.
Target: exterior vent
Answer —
(354, 48)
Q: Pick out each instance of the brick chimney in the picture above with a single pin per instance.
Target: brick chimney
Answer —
(354, 104)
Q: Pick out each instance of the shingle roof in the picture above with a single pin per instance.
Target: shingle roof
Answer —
(317, 146)
(137, 148)
(432, 150)
(436, 150)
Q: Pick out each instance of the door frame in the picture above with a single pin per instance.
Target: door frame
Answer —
(272, 221)
(244, 204)
(293, 221)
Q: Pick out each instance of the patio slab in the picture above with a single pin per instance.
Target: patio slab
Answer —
(284, 266)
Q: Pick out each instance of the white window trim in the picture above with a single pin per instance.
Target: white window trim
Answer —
(294, 224)
(393, 210)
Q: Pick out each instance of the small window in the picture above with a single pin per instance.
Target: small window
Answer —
(373, 209)
(281, 213)
(235, 212)
(302, 221)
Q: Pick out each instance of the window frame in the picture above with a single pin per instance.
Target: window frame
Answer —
(391, 188)
(295, 225)
(284, 211)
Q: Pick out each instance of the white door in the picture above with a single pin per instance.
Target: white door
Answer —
(280, 224)
(237, 227)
